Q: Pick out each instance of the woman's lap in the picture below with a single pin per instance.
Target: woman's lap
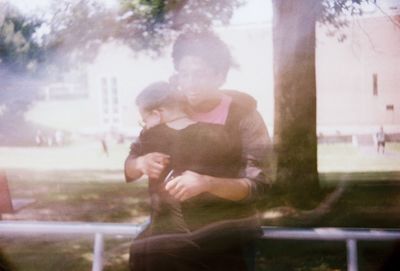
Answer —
(216, 247)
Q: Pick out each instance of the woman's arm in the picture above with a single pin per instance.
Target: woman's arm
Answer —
(191, 184)
(256, 154)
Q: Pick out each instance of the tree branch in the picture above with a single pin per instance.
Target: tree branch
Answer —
(387, 15)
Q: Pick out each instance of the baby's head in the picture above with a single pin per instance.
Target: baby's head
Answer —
(159, 102)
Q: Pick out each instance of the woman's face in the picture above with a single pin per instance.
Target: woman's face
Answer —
(197, 80)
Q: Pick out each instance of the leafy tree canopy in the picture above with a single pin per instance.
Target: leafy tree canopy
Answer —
(77, 28)
(19, 51)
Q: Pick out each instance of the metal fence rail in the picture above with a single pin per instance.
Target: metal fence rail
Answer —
(350, 236)
(98, 230)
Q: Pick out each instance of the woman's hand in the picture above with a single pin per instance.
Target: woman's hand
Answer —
(187, 185)
(152, 164)
(191, 184)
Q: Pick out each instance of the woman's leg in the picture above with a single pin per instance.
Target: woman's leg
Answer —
(174, 252)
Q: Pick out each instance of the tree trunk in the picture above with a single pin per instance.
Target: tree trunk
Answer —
(295, 138)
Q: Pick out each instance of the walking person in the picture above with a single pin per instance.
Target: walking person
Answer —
(381, 140)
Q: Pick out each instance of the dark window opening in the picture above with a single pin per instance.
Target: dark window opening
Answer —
(375, 84)
(390, 107)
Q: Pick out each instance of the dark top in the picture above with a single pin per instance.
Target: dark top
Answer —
(203, 148)
(246, 136)
(246, 123)
(200, 147)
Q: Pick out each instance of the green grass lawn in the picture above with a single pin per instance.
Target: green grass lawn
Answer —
(347, 163)
(88, 155)
(79, 183)
(66, 253)
(88, 201)
(108, 201)
(348, 158)
(71, 183)
(84, 155)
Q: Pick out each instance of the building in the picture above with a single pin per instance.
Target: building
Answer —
(118, 74)
(357, 79)
(357, 85)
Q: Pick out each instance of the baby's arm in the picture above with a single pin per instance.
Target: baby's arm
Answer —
(151, 164)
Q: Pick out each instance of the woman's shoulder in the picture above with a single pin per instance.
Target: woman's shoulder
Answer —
(241, 99)
(201, 127)
(242, 107)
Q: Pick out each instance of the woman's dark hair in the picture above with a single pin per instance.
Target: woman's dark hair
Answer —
(205, 45)
(158, 94)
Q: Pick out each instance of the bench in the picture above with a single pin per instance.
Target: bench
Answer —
(6, 205)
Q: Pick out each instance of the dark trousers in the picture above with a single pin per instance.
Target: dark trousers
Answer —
(217, 247)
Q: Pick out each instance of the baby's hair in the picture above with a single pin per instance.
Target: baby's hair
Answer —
(159, 94)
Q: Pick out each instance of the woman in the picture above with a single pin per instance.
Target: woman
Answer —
(202, 62)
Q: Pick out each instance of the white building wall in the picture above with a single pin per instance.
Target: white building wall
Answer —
(345, 100)
(345, 71)
(252, 51)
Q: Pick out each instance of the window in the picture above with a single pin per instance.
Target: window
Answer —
(104, 83)
(104, 92)
(115, 101)
(110, 100)
(389, 107)
(60, 78)
(375, 84)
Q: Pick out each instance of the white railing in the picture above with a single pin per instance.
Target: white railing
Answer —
(98, 230)
(350, 236)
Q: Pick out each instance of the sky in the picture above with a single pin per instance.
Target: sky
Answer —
(253, 11)
(33, 5)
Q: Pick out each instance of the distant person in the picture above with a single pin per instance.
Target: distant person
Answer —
(50, 140)
(380, 139)
(39, 139)
(104, 145)
(121, 139)
(59, 138)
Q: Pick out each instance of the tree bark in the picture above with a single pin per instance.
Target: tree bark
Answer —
(295, 138)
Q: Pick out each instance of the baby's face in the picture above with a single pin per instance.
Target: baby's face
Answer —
(150, 118)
